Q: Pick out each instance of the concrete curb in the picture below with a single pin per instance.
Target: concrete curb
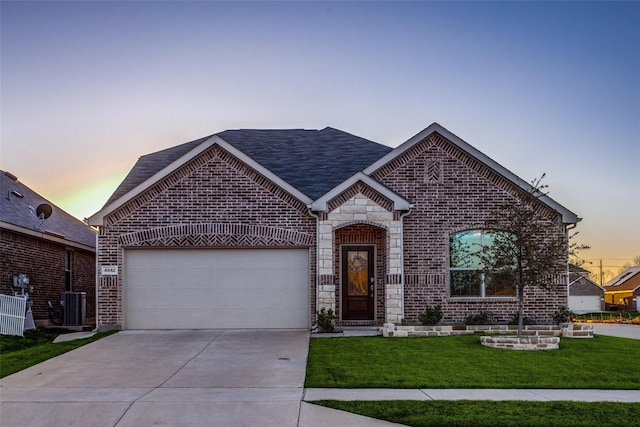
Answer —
(578, 395)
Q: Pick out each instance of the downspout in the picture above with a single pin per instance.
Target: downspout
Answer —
(569, 227)
(402, 259)
(317, 258)
(97, 282)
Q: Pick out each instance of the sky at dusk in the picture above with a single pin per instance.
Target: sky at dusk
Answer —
(540, 87)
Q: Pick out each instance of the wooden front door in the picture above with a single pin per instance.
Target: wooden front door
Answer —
(358, 282)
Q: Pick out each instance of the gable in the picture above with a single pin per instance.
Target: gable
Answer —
(460, 151)
(584, 286)
(361, 183)
(215, 186)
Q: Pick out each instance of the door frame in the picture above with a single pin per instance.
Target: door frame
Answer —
(371, 247)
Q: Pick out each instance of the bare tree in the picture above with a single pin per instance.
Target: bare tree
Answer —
(530, 245)
(634, 263)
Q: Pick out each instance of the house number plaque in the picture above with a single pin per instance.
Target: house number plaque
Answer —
(109, 270)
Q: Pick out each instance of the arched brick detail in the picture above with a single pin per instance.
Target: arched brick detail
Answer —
(360, 188)
(363, 222)
(212, 235)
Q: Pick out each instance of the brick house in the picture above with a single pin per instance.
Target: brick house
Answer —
(262, 228)
(57, 253)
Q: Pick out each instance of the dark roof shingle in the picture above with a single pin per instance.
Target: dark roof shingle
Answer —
(20, 211)
(149, 164)
(312, 161)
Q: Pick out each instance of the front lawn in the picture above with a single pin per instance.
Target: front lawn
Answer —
(18, 353)
(462, 362)
(444, 413)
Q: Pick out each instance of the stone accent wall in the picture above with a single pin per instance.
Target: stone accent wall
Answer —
(215, 200)
(360, 215)
(569, 330)
(43, 262)
(577, 330)
(452, 192)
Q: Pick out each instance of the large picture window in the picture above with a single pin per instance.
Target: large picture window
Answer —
(468, 277)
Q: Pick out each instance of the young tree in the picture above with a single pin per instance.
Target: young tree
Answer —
(530, 245)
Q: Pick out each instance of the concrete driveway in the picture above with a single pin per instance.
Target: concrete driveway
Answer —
(185, 378)
(615, 330)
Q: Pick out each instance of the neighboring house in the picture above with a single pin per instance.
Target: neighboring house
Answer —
(55, 250)
(262, 228)
(623, 291)
(585, 295)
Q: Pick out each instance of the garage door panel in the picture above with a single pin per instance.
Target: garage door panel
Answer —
(584, 303)
(223, 318)
(216, 288)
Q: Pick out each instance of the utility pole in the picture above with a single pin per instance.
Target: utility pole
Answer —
(601, 273)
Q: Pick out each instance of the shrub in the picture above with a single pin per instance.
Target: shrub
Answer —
(431, 316)
(525, 320)
(326, 320)
(482, 318)
(562, 315)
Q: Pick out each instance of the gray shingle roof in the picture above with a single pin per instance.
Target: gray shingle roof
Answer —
(149, 164)
(312, 161)
(19, 211)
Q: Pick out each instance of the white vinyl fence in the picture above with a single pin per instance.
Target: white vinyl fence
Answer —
(12, 314)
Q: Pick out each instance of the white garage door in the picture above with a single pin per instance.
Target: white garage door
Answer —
(216, 288)
(584, 303)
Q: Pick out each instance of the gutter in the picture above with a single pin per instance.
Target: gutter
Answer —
(97, 286)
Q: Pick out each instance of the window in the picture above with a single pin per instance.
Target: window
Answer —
(468, 277)
(68, 262)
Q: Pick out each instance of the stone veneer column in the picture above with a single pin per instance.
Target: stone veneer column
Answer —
(361, 209)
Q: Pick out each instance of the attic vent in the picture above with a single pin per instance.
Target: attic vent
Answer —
(433, 173)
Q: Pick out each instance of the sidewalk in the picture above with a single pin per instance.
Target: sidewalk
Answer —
(582, 395)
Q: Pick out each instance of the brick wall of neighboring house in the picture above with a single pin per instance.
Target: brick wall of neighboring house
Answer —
(43, 262)
(584, 286)
(452, 192)
(215, 200)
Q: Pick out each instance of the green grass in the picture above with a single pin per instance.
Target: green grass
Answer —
(18, 353)
(462, 362)
(447, 413)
